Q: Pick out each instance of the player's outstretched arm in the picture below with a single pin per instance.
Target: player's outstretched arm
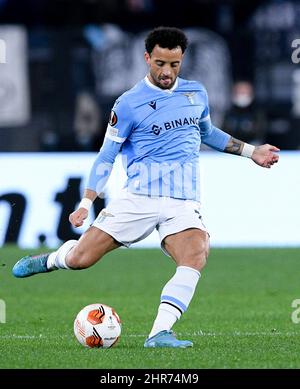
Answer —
(264, 155)
(98, 177)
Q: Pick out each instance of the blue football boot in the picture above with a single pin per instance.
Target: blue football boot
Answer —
(30, 265)
(166, 339)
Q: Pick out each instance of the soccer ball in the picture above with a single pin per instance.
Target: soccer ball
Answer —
(97, 325)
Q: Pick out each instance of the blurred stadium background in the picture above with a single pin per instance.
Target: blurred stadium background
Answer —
(66, 62)
(62, 65)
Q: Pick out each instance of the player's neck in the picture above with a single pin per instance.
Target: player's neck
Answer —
(150, 82)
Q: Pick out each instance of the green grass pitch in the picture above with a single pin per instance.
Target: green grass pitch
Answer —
(240, 316)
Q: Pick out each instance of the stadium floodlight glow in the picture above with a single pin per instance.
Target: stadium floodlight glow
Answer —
(2, 51)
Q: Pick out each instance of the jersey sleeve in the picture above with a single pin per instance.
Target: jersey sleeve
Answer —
(204, 120)
(102, 166)
(211, 135)
(118, 129)
(120, 123)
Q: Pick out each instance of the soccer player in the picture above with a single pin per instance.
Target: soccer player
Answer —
(158, 125)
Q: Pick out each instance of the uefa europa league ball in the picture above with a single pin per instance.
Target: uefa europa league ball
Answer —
(97, 325)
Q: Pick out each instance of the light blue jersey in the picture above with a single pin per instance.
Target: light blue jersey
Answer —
(159, 132)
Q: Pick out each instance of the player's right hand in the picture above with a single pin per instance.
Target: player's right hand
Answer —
(77, 217)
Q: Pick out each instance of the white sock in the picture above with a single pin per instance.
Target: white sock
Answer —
(175, 298)
(57, 259)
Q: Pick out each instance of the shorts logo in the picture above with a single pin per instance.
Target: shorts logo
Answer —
(102, 215)
(113, 120)
(105, 214)
(198, 213)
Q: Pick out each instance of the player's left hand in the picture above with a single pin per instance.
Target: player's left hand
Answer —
(265, 155)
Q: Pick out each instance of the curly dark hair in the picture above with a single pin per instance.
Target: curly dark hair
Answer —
(166, 37)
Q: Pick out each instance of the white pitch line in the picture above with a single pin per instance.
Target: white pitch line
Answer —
(198, 333)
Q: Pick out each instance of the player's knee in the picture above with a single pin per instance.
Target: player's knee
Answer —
(200, 261)
(199, 257)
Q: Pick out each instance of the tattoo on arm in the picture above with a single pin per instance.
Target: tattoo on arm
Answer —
(234, 146)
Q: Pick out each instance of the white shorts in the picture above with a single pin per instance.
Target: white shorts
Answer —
(132, 217)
